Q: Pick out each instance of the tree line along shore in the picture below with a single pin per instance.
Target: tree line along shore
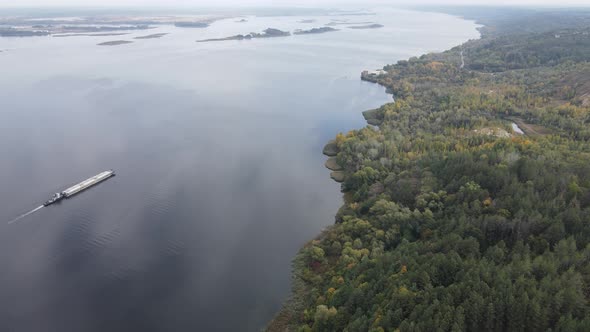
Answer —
(451, 220)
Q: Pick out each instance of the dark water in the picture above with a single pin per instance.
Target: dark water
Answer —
(220, 174)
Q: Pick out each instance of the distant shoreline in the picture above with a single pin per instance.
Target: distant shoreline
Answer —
(89, 34)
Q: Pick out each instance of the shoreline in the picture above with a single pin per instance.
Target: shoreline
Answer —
(280, 322)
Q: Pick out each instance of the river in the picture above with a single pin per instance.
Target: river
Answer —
(217, 148)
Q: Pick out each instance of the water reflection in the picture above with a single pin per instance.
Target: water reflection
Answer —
(220, 177)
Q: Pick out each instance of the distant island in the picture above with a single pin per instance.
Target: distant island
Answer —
(12, 32)
(242, 21)
(314, 31)
(46, 30)
(191, 24)
(91, 34)
(31, 26)
(153, 36)
(370, 26)
(86, 28)
(115, 43)
(307, 21)
(268, 33)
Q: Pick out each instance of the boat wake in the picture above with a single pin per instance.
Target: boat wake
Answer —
(70, 192)
(26, 214)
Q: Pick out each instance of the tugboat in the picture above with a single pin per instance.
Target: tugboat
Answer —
(56, 198)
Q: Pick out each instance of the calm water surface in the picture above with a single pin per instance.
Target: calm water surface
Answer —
(218, 152)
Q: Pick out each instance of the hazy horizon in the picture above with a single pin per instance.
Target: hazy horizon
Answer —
(305, 3)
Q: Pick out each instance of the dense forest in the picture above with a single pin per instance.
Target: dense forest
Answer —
(452, 220)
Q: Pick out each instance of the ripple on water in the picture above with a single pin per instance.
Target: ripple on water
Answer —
(158, 203)
(79, 242)
(100, 241)
(78, 226)
(174, 248)
(80, 221)
(121, 274)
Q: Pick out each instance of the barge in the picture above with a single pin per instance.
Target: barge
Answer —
(75, 189)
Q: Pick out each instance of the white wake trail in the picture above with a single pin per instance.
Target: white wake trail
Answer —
(26, 214)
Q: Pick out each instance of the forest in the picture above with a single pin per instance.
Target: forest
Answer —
(452, 220)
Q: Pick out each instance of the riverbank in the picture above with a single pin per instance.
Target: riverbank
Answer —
(293, 308)
(430, 226)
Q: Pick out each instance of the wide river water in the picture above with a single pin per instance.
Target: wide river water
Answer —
(217, 148)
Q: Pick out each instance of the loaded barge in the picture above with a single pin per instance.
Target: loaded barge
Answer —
(73, 190)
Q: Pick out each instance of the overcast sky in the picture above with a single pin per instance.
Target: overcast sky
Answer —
(310, 3)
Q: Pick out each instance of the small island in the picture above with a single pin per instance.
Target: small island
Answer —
(191, 24)
(307, 21)
(314, 31)
(370, 26)
(153, 36)
(268, 33)
(115, 43)
(242, 21)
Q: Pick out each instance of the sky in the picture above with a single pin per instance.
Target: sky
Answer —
(309, 3)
